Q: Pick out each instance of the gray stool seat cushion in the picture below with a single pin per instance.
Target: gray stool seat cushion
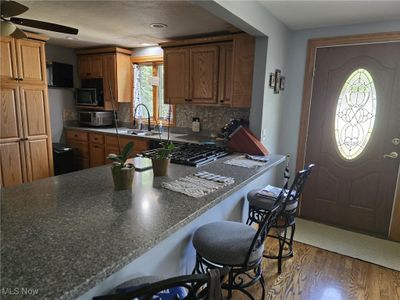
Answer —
(266, 203)
(226, 243)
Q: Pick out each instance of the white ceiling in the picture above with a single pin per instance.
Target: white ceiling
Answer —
(123, 23)
(320, 13)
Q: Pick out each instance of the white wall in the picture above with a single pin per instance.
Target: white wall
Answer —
(60, 98)
(290, 117)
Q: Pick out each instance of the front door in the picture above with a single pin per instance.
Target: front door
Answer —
(353, 134)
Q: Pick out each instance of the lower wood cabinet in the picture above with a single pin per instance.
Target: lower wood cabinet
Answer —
(92, 149)
(25, 138)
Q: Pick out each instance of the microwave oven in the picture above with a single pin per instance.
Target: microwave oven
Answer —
(87, 97)
(95, 118)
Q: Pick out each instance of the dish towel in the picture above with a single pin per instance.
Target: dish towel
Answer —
(250, 161)
(199, 184)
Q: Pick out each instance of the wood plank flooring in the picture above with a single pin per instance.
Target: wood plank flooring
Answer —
(317, 274)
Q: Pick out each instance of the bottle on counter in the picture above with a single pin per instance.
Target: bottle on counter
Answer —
(160, 127)
(196, 124)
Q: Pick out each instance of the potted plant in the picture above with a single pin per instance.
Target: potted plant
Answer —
(122, 171)
(162, 157)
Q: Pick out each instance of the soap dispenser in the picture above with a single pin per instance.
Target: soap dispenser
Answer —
(196, 124)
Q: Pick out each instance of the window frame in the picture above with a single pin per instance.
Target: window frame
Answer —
(155, 61)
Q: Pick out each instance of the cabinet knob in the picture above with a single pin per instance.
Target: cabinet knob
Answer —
(20, 79)
(16, 79)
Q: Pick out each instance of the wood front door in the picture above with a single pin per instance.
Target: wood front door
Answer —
(353, 126)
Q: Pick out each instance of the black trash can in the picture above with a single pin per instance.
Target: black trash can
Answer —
(63, 158)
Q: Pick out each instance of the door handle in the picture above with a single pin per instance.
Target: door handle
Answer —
(396, 141)
(391, 155)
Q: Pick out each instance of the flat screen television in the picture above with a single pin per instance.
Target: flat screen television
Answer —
(59, 75)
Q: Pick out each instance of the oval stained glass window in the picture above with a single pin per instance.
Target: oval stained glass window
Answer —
(355, 114)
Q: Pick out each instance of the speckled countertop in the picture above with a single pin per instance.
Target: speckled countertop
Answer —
(64, 235)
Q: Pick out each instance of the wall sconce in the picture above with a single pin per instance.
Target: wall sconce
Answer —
(276, 81)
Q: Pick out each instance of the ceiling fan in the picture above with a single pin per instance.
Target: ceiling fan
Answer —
(9, 9)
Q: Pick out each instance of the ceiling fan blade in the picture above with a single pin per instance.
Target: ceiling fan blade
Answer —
(18, 34)
(44, 25)
(12, 8)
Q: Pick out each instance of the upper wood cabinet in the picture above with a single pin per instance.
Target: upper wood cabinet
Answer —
(176, 75)
(8, 60)
(114, 66)
(90, 66)
(210, 71)
(225, 74)
(23, 60)
(204, 74)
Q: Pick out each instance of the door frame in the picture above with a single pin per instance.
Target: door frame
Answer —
(313, 45)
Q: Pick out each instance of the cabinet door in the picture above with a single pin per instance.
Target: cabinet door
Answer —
(36, 125)
(109, 80)
(38, 158)
(96, 155)
(31, 61)
(90, 66)
(225, 74)
(204, 74)
(10, 113)
(124, 80)
(8, 60)
(12, 165)
(83, 66)
(96, 66)
(176, 76)
(243, 66)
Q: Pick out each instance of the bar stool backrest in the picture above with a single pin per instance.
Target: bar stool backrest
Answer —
(198, 287)
(264, 227)
(297, 186)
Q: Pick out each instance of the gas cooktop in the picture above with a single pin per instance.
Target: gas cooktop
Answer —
(193, 154)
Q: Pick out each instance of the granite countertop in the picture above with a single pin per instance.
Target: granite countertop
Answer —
(177, 137)
(64, 235)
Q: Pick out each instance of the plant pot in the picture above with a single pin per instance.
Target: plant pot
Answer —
(160, 166)
(123, 178)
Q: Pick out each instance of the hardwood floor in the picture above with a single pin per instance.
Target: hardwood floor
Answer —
(317, 274)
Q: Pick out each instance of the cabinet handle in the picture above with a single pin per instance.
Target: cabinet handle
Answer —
(222, 101)
(16, 79)
(20, 79)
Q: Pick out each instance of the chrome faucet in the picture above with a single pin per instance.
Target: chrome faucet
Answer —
(148, 116)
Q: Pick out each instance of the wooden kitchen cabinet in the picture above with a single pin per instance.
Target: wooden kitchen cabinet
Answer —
(225, 74)
(215, 71)
(8, 60)
(90, 66)
(79, 142)
(96, 150)
(25, 134)
(204, 75)
(23, 60)
(91, 149)
(176, 75)
(114, 66)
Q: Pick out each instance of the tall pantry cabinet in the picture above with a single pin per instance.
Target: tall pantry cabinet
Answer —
(25, 135)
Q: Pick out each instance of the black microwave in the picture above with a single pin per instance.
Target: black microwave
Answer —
(87, 97)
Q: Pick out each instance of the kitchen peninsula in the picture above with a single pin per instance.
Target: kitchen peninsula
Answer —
(74, 237)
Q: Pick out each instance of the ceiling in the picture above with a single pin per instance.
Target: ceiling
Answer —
(321, 13)
(122, 23)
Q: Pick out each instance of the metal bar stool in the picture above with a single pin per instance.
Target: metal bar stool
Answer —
(187, 287)
(259, 206)
(237, 246)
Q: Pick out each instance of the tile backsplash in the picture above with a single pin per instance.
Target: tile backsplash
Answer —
(211, 118)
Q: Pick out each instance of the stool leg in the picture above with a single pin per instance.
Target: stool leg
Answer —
(292, 230)
(262, 281)
(230, 284)
(281, 246)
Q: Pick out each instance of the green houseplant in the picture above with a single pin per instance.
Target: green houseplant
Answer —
(122, 171)
(162, 157)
